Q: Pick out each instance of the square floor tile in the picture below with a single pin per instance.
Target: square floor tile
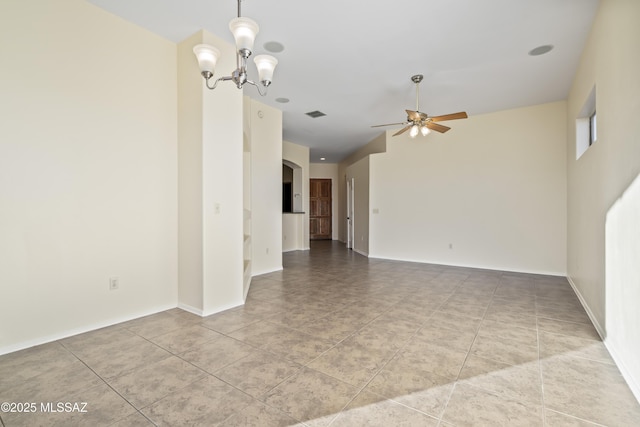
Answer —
(258, 373)
(352, 362)
(152, 382)
(407, 382)
(520, 382)
(371, 410)
(215, 355)
(310, 396)
(186, 338)
(471, 406)
(588, 390)
(206, 402)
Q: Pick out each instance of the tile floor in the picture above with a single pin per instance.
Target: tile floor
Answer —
(338, 339)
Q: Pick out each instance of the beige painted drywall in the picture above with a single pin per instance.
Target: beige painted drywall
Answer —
(222, 189)
(211, 198)
(359, 172)
(190, 225)
(266, 187)
(88, 171)
(376, 145)
(299, 155)
(292, 228)
(603, 196)
(329, 171)
(490, 193)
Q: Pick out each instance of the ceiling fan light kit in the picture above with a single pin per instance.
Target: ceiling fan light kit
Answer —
(244, 32)
(421, 123)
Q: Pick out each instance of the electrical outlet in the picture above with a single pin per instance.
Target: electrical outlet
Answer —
(114, 283)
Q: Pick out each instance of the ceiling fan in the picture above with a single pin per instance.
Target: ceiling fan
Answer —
(420, 122)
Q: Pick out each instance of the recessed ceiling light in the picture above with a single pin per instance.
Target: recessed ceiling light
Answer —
(274, 47)
(322, 158)
(541, 50)
(315, 114)
(282, 100)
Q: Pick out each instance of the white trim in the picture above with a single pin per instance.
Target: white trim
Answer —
(246, 292)
(80, 330)
(476, 267)
(221, 309)
(615, 355)
(259, 273)
(626, 373)
(363, 253)
(190, 309)
(592, 317)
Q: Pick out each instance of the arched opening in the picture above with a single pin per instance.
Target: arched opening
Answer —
(293, 212)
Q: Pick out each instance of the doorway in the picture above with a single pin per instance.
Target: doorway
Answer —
(320, 216)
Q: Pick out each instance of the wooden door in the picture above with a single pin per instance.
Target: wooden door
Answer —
(319, 209)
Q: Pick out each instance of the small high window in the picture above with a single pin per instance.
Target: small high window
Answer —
(593, 135)
(586, 126)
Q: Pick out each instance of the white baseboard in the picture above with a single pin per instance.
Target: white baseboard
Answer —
(246, 292)
(80, 330)
(202, 313)
(615, 354)
(190, 309)
(363, 253)
(259, 273)
(626, 373)
(601, 331)
(221, 309)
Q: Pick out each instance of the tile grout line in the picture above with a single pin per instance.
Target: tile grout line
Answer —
(542, 388)
(108, 385)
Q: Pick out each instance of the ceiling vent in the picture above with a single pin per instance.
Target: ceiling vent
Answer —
(315, 114)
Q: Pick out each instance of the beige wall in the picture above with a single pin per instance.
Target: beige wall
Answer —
(266, 187)
(210, 187)
(490, 193)
(222, 188)
(329, 171)
(376, 145)
(88, 171)
(190, 165)
(299, 155)
(359, 172)
(292, 232)
(603, 193)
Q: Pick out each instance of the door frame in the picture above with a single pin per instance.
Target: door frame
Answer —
(350, 212)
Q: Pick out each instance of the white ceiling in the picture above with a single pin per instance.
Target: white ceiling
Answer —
(353, 59)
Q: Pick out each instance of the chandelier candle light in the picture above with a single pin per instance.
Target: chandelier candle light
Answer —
(244, 32)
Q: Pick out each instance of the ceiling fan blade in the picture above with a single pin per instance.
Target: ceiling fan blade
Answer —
(437, 127)
(453, 116)
(413, 115)
(403, 130)
(390, 124)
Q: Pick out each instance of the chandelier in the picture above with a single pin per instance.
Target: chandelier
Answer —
(244, 32)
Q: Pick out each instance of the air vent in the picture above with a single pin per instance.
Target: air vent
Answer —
(315, 114)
